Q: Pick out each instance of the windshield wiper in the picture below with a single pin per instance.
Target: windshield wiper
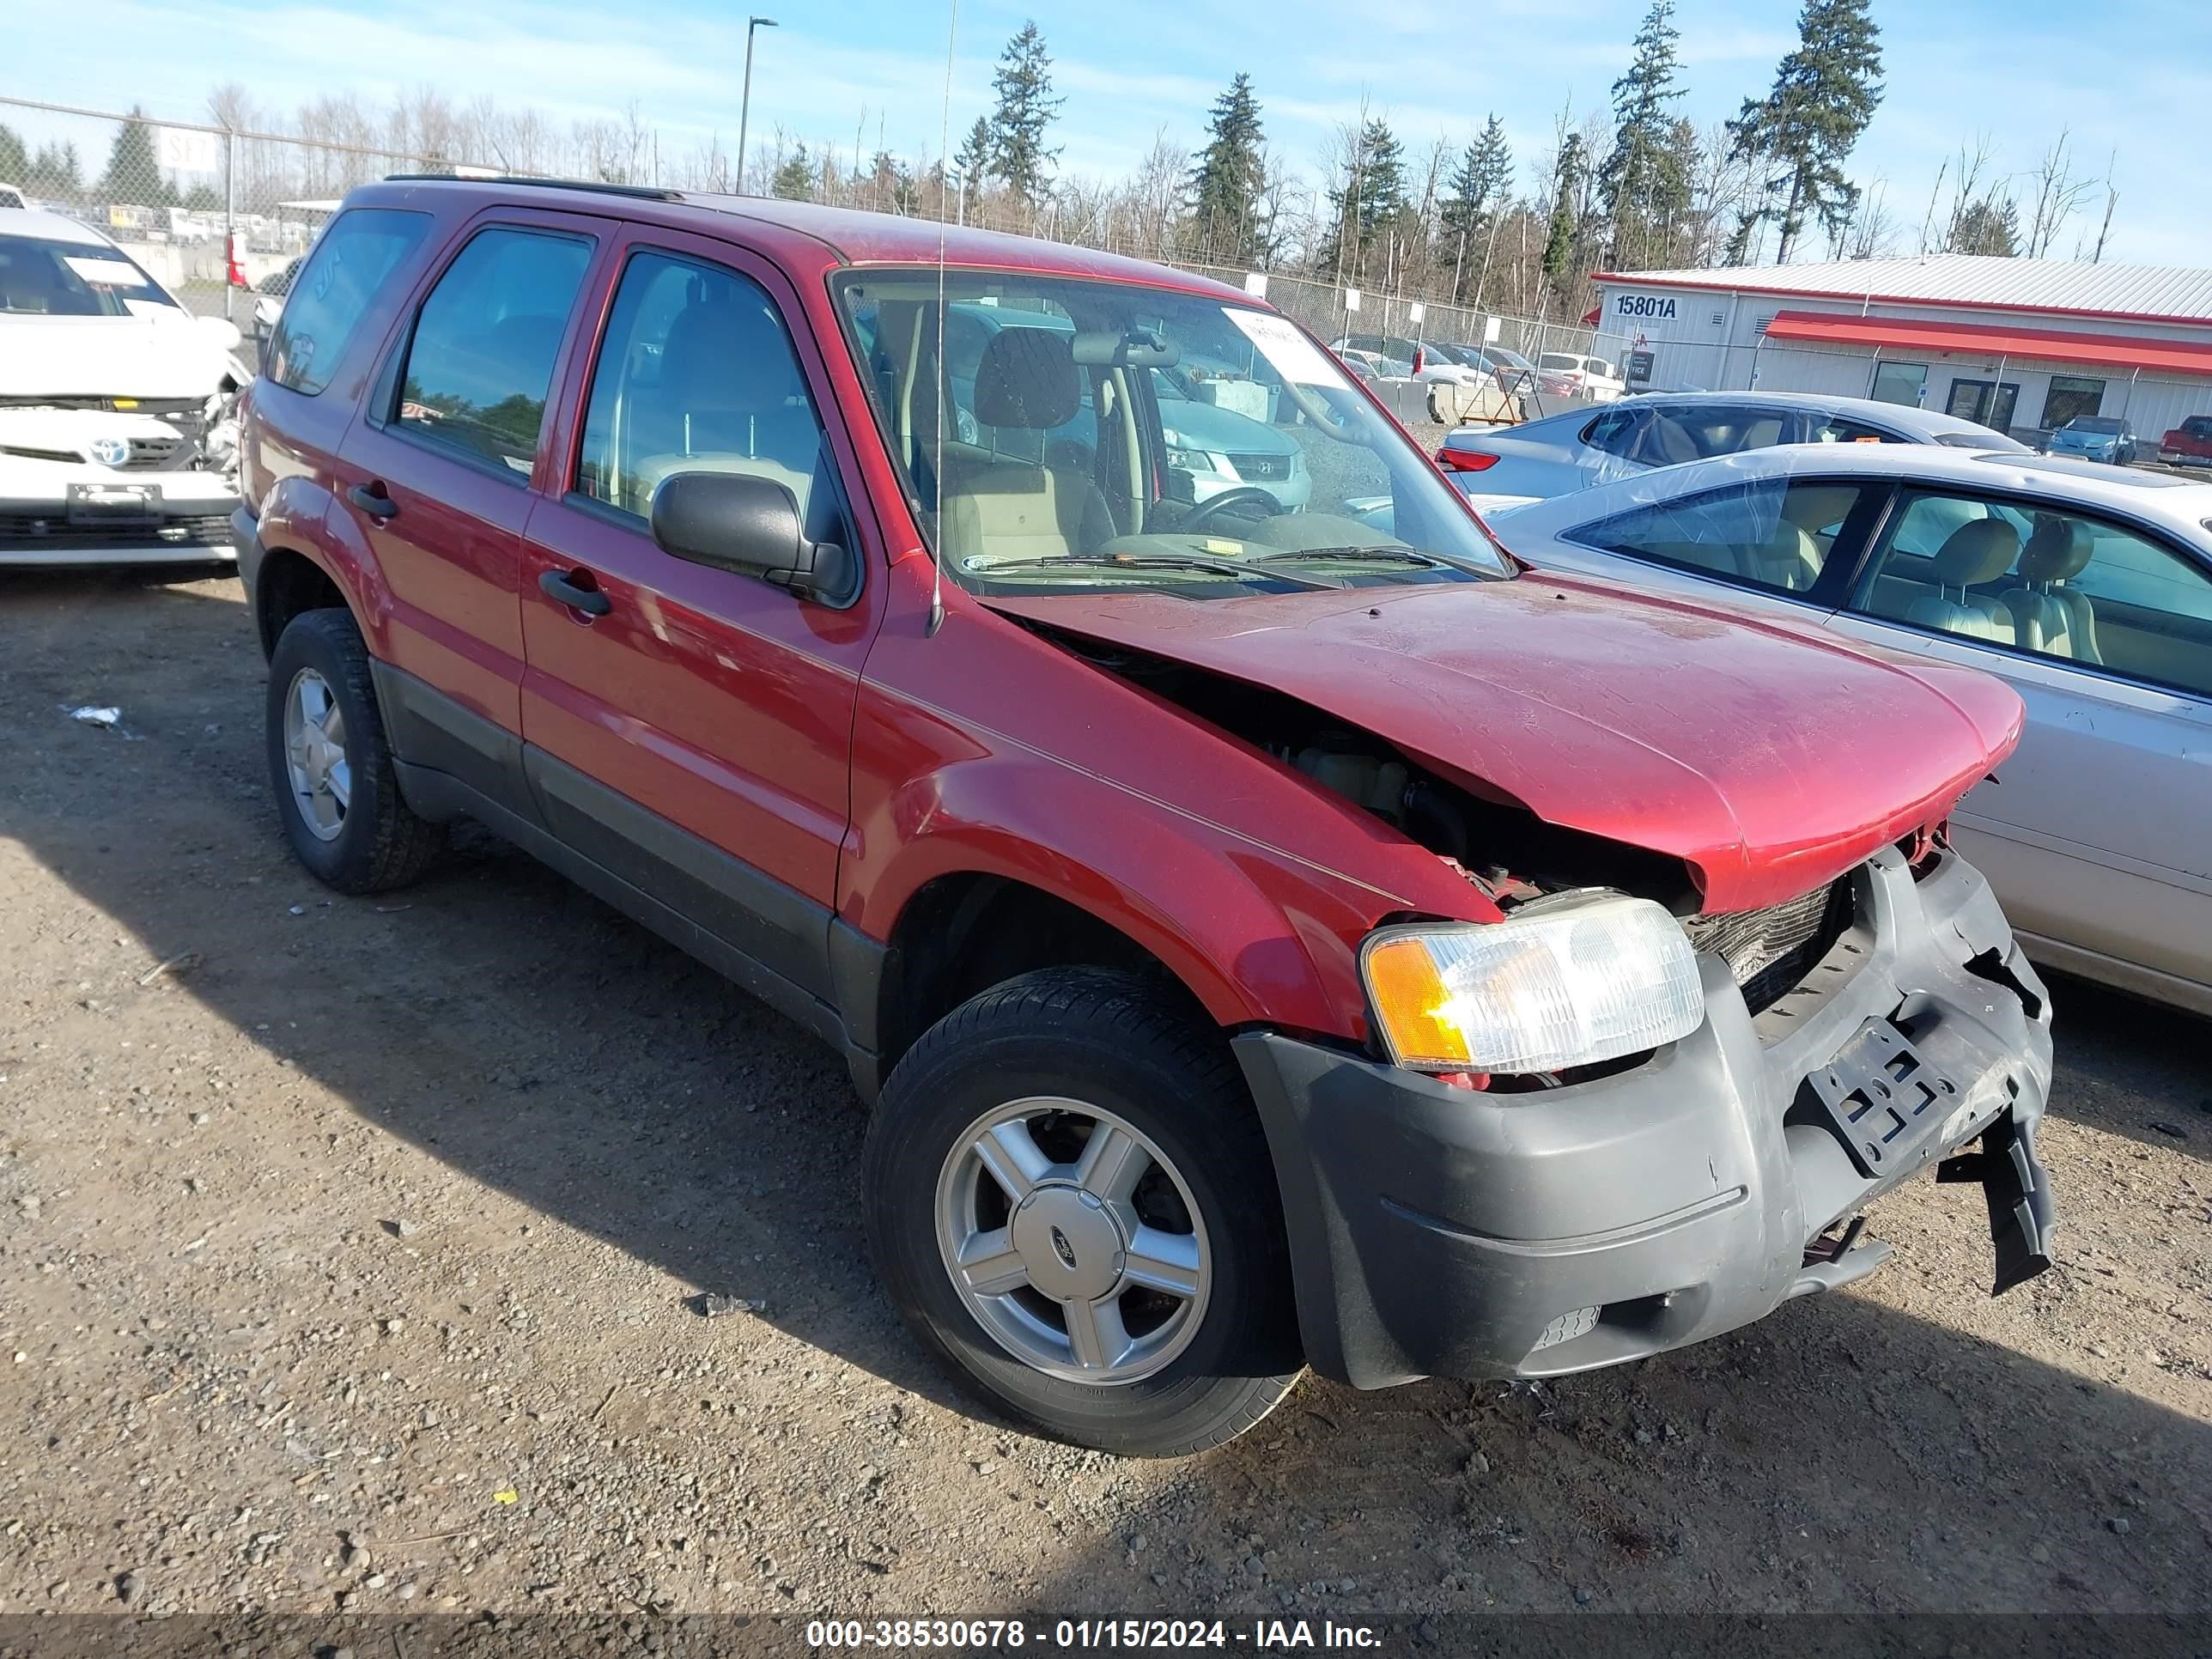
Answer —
(1242, 568)
(1393, 553)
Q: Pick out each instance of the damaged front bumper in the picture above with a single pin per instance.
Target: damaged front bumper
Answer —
(85, 486)
(1440, 1231)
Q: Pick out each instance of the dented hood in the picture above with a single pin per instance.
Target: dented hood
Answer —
(1770, 761)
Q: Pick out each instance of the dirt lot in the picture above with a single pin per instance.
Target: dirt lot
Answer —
(344, 1265)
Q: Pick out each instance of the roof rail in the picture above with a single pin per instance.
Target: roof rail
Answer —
(647, 192)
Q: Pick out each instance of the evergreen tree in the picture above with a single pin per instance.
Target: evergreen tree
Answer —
(971, 164)
(1988, 225)
(1228, 179)
(794, 179)
(1026, 108)
(56, 174)
(1474, 195)
(1641, 186)
(132, 174)
(15, 159)
(1563, 246)
(1800, 133)
(1369, 197)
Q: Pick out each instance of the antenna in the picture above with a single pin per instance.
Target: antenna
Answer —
(937, 461)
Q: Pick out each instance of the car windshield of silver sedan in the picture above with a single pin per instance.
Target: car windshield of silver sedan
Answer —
(42, 278)
(1083, 434)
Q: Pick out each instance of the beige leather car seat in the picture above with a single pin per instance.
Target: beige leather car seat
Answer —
(1000, 510)
(1978, 551)
(2048, 615)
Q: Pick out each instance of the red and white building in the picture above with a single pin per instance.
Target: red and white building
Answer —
(2022, 345)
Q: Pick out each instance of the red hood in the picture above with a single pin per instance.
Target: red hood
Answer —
(1769, 760)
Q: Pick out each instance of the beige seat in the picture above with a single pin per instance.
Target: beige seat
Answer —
(1978, 551)
(2047, 615)
(1791, 558)
(999, 510)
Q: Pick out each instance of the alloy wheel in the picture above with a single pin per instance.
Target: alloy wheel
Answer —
(1074, 1240)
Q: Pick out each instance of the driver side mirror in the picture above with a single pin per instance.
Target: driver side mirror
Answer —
(741, 522)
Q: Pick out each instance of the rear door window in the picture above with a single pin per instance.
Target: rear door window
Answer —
(1700, 431)
(1615, 432)
(326, 301)
(481, 361)
(1839, 429)
(1768, 535)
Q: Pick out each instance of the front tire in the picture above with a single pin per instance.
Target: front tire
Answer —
(1071, 1201)
(337, 791)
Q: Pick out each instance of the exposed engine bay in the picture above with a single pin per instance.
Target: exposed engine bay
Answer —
(1505, 850)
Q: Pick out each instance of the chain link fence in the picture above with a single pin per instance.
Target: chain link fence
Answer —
(213, 212)
(220, 216)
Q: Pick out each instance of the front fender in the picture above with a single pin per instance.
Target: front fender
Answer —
(1256, 937)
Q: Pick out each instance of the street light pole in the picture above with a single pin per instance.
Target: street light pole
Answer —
(745, 106)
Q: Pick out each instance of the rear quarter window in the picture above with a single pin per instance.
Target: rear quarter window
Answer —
(333, 290)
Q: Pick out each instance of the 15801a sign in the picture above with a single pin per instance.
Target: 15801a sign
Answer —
(1656, 307)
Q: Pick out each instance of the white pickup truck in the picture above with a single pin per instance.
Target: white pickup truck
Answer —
(118, 435)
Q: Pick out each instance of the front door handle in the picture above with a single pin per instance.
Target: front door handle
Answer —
(565, 586)
(373, 499)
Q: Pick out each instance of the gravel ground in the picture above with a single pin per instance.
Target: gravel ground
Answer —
(345, 1269)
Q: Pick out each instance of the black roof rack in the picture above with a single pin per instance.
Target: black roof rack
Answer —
(646, 192)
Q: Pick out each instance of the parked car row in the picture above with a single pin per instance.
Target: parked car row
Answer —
(1274, 925)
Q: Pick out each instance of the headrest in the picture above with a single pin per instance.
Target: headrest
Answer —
(1978, 551)
(728, 357)
(1816, 507)
(1027, 378)
(2057, 548)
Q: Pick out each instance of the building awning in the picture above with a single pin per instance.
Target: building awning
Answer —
(1994, 341)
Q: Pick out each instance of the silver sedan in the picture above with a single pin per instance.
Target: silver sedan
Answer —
(1501, 466)
(2087, 588)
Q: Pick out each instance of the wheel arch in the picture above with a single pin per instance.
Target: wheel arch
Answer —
(965, 931)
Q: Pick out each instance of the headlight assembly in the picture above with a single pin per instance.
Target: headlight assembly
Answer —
(1574, 981)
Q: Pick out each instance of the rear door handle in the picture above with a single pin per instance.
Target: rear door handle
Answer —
(373, 499)
(564, 586)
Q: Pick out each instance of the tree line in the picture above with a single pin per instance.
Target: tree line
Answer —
(1632, 186)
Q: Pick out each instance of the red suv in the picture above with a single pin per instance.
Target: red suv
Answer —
(1268, 935)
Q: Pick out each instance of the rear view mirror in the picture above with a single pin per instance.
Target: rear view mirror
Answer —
(744, 523)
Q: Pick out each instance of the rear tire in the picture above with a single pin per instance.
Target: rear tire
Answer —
(337, 791)
(1202, 1328)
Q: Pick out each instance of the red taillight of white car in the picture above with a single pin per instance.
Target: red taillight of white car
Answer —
(1465, 460)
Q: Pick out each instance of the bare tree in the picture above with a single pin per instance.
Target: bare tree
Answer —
(2058, 196)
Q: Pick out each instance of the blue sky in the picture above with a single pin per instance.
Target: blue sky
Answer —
(2131, 76)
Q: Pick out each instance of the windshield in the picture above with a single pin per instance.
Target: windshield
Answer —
(40, 277)
(1506, 358)
(2095, 423)
(1105, 434)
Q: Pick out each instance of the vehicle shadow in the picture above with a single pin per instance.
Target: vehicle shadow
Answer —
(1843, 1454)
(1840, 1456)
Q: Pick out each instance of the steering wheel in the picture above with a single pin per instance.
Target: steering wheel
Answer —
(1243, 496)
